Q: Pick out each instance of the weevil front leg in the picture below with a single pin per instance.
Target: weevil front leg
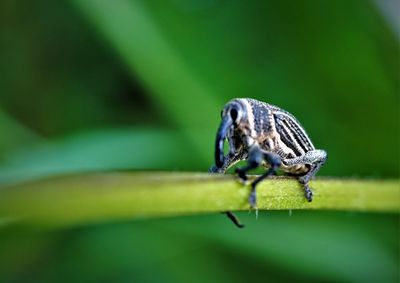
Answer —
(230, 160)
(316, 158)
(255, 159)
(232, 216)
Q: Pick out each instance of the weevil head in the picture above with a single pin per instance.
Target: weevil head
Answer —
(232, 116)
(233, 111)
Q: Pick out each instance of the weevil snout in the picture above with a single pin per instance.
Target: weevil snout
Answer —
(231, 116)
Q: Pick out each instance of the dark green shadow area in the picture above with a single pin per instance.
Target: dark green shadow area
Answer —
(277, 247)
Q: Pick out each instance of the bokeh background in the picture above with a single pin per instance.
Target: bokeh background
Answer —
(90, 85)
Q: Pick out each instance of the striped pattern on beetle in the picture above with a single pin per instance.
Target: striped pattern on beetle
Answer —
(264, 134)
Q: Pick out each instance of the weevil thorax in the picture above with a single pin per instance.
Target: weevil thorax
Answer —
(252, 119)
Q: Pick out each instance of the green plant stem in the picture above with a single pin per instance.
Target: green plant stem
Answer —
(105, 196)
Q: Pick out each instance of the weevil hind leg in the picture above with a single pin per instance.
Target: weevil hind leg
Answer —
(316, 158)
(308, 193)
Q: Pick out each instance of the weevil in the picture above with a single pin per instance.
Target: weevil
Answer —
(264, 135)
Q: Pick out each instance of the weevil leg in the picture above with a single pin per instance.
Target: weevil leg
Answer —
(254, 160)
(308, 193)
(274, 161)
(306, 178)
(243, 170)
(234, 219)
(229, 161)
(316, 158)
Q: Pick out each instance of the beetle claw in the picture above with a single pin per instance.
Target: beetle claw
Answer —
(241, 174)
(215, 169)
(308, 193)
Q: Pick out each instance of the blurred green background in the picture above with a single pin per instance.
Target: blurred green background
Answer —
(90, 85)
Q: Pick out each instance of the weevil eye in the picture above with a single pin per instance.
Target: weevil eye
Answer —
(234, 114)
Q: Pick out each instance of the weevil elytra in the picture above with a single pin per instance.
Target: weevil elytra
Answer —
(264, 134)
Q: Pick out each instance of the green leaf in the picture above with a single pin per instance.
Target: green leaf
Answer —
(110, 149)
